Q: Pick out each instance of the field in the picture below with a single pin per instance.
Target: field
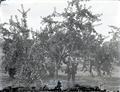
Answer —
(110, 83)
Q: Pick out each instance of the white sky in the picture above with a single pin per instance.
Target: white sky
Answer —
(109, 8)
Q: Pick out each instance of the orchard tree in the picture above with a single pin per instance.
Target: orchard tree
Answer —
(72, 34)
(16, 43)
(81, 37)
(108, 54)
(115, 43)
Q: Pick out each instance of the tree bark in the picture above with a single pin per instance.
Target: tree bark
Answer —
(91, 65)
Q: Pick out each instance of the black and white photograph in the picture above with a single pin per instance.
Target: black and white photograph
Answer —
(59, 45)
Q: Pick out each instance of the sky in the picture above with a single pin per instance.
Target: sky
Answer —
(109, 8)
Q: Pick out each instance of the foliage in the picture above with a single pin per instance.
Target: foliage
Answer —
(115, 43)
(65, 38)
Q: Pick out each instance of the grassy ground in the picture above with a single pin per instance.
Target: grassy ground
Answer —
(112, 83)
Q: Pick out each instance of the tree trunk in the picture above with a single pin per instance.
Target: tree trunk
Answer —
(51, 73)
(91, 73)
(67, 71)
(99, 71)
(56, 70)
(74, 71)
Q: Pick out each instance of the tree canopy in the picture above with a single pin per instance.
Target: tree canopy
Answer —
(64, 38)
